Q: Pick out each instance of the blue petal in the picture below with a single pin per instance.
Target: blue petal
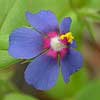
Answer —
(65, 25)
(73, 45)
(71, 63)
(25, 43)
(44, 22)
(42, 73)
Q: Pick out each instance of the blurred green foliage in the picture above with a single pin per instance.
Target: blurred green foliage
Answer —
(90, 92)
(12, 16)
(17, 96)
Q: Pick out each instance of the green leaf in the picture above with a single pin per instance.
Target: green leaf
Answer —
(4, 42)
(6, 60)
(5, 6)
(18, 96)
(15, 18)
(90, 92)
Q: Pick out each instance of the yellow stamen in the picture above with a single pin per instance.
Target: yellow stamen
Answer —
(67, 36)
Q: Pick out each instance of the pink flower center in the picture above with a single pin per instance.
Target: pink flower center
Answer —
(55, 45)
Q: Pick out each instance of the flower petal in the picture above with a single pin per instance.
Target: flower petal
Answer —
(25, 43)
(73, 45)
(71, 63)
(42, 73)
(65, 25)
(44, 22)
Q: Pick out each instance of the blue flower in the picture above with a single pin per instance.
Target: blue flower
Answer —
(52, 47)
